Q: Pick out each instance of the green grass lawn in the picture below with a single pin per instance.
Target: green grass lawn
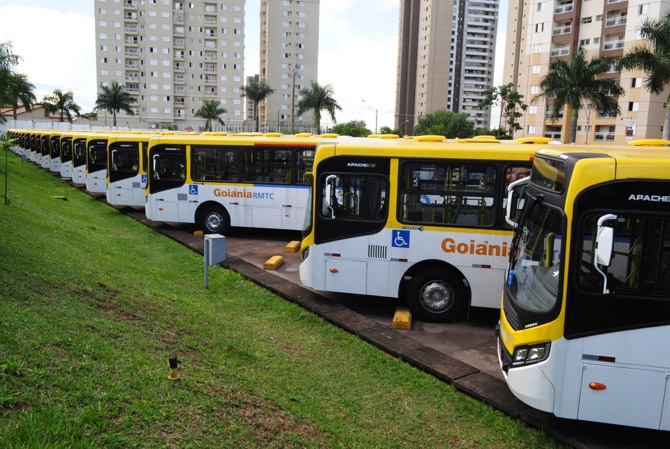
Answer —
(93, 304)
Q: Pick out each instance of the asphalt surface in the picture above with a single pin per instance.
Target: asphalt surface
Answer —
(461, 353)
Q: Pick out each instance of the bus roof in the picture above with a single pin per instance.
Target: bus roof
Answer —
(628, 161)
(238, 139)
(430, 148)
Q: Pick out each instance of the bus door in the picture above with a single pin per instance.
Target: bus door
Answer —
(45, 150)
(96, 166)
(168, 201)
(66, 157)
(54, 153)
(127, 186)
(79, 160)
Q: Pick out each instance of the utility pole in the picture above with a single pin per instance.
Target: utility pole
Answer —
(376, 111)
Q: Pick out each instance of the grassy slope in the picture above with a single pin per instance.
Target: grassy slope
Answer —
(92, 305)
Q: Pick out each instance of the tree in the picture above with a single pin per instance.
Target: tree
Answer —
(19, 89)
(318, 98)
(115, 98)
(354, 128)
(445, 123)
(7, 62)
(654, 59)
(257, 91)
(576, 82)
(509, 101)
(61, 103)
(210, 110)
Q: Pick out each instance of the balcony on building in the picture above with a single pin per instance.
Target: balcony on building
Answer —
(178, 17)
(604, 133)
(560, 50)
(564, 7)
(132, 64)
(130, 4)
(553, 132)
(613, 45)
(180, 79)
(549, 110)
(178, 43)
(130, 16)
(132, 53)
(210, 56)
(179, 67)
(210, 7)
(130, 28)
(132, 87)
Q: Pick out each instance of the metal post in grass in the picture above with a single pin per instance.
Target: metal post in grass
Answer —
(214, 252)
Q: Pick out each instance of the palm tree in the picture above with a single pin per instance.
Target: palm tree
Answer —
(61, 103)
(576, 82)
(654, 59)
(19, 89)
(7, 62)
(257, 91)
(318, 98)
(115, 99)
(7, 58)
(210, 110)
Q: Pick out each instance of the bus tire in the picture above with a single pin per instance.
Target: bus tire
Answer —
(214, 220)
(436, 295)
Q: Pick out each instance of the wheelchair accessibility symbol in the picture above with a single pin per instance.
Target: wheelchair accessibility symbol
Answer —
(193, 189)
(400, 239)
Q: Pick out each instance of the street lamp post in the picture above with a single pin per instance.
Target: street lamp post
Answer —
(376, 111)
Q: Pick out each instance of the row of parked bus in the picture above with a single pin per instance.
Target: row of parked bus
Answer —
(214, 180)
(574, 238)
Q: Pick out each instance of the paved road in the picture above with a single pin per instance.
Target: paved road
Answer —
(461, 353)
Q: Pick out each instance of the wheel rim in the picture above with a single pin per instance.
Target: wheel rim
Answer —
(437, 296)
(214, 221)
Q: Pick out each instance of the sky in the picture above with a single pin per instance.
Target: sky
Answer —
(358, 42)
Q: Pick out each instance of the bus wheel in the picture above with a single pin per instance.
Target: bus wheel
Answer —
(215, 220)
(436, 295)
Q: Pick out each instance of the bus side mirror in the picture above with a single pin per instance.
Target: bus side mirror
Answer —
(605, 241)
(513, 196)
(329, 196)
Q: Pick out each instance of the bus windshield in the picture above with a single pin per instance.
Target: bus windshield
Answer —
(533, 278)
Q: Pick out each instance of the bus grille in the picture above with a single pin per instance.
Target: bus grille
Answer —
(377, 251)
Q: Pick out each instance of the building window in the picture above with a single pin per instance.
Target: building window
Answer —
(636, 82)
(634, 106)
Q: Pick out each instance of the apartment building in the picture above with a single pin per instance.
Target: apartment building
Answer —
(171, 55)
(289, 49)
(446, 57)
(539, 31)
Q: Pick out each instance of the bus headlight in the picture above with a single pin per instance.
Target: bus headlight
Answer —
(305, 254)
(526, 355)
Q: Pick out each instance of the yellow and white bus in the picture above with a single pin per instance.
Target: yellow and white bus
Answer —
(66, 155)
(96, 162)
(221, 182)
(127, 173)
(418, 219)
(79, 152)
(586, 303)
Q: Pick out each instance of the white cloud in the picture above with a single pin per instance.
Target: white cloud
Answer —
(57, 50)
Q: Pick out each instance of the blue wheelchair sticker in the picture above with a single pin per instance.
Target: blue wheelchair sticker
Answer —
(193, 189)
(144, 179)
(400, 239)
